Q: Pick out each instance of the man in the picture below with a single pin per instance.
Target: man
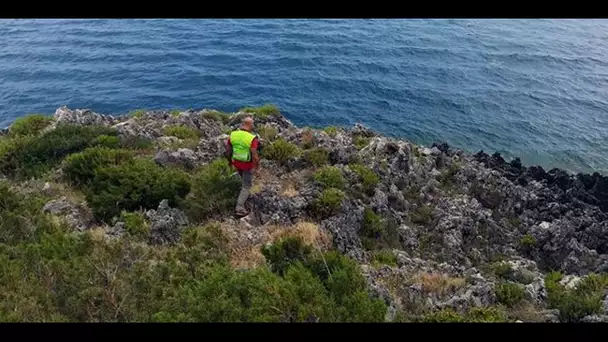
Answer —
(242, 152)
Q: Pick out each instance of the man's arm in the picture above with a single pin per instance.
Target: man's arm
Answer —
(254, 153)
(228, 151)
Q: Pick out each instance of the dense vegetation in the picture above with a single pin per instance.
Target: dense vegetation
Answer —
(50, 272)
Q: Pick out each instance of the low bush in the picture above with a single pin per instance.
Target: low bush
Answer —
(285, 252)
(84, 278)
(79, 168)
(360, 142)
(138, 113)
(138, 184)
(422, 215)
(328, 202)
(574, 304)
(264, 111)
(174, 113)
(368, 178)
(181, 132)
(109, 141)
(133, 142)
(501, 269)
(29, 125)
(30, 157)
(317, 156)
(509, 294)
(21, 219)
(329, 177)
(281, 151)
(135, 224)
(331, 131)
(308, 139)
(385, 257)
(267, 132)
(214, 191)
(217, 116)
(376, 232)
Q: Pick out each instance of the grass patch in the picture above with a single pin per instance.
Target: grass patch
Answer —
(31, 124)
(438, 283)
(174, 113)
(329, 177)
(263, 112)
(447, 178)
(474, 315)
(308, 139)
(181, 132)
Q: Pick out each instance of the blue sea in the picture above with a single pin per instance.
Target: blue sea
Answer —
(537, 89)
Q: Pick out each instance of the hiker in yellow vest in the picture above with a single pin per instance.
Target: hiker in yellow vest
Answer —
(242, 152)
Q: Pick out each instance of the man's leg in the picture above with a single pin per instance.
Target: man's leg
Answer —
(244, 194)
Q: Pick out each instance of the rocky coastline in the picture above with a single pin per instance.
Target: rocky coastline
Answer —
(438, 234)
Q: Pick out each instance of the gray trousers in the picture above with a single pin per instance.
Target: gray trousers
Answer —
(246, 176)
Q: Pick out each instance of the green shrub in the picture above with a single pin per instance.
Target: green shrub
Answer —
(281, 151)
(331, 131)
(422, 215)
(138, 113)
(217, 116)
(360, 142)
(79, 168)
(29, 125)
(79, 278)
(214, 191)
(376, 232)
(267, 132)
(21, 219)
(285, 252)
(329, 177)
(368, 178)
(264, 111)
(317, 156)
(574, 304)
(385, 257)
(509, 294)
(308, 139)
(108, 141)
(30, 157)
(181, 132)
(328, 202)
(138, 184)
(372, 226)
(447, 178)
(174, 113)
(501, 269)
(134, 142)
(527, 241)
(135, 224)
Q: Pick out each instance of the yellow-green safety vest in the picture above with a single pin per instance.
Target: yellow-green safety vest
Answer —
(241, 145)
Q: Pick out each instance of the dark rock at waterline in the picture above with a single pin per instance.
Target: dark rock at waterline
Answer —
(590, 189)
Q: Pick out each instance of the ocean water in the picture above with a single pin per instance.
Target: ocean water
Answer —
(537, 89)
